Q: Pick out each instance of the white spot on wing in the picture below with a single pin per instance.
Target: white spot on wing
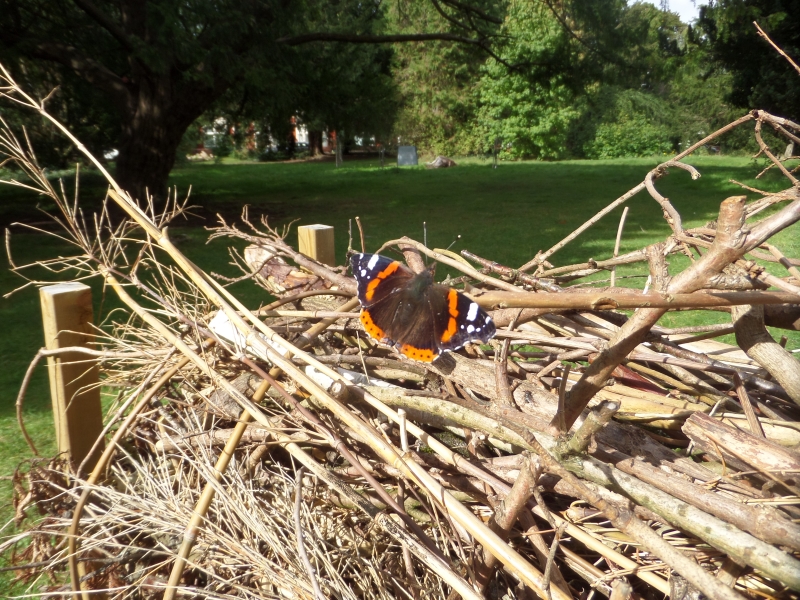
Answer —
(488, 319)
(473, 312)
(470, 329)
(372, 262)
(363, 272)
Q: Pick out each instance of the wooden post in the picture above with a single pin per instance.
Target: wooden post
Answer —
(316, 241)
(74, 378)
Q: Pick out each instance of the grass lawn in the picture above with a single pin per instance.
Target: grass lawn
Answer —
(505, 214)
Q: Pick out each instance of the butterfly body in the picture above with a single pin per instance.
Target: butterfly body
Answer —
(412, 312)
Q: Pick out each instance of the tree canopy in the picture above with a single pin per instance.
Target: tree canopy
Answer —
(550, 78)
(577, 78)
(161, 64)
(761, 77)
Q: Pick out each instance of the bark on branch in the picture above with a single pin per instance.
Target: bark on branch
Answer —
(625, 298)
(732, 241)
(753, 337)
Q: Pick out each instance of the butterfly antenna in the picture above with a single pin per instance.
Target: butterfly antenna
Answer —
(453, 243)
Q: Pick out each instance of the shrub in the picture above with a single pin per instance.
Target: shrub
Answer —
(629, 136)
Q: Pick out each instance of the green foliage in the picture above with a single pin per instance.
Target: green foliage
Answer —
(531, 118)
(153, 67)
(579, 78)
(761, 78)
(698, 95)
(326, 86)
(629, 136)
(632, 123)
(653, 47)
(191, 139)
(671, 99)
(437, 101)
(600, 89)
(223, 148)
(436, 81)
(573, 78)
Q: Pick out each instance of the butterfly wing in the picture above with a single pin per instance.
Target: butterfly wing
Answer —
(459, 320)
(378, 277)
(381, 282)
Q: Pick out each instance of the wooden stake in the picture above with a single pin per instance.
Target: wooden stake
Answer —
(316, 241)
(74, 380)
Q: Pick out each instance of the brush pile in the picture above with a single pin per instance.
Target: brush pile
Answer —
(281, 452)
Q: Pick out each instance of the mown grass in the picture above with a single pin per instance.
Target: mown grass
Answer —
(506, 214)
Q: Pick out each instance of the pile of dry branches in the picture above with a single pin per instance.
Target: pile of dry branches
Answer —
(281, 452)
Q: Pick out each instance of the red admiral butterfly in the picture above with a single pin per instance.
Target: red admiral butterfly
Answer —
(420, 318)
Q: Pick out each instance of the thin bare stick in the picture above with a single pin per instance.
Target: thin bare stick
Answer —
(624, 520)
(403, 433)
(299, 296)
(784, 261)
(560, 417)
(596, 419)
(551, 558)
(401, 500)
(180, 313)
(121, 410)
(617, 242)
(456, 264)
(384, 520)
(540, 258)
(765, 149)
(730, 244)
(42, 353)
(512, 275)
(777, 48)
(209, 491)
(625, 259)
(501, 372)
(747, 405)
(361, 234)
(102, 462)
(298, 532)
(752, 337)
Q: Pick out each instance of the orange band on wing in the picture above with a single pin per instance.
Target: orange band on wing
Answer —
(391, 268)
(370, 327)
(420, 354)
(452, 303)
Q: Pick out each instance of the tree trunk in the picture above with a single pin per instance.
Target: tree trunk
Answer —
(152, 129)
(146, 156)
(315, 142)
